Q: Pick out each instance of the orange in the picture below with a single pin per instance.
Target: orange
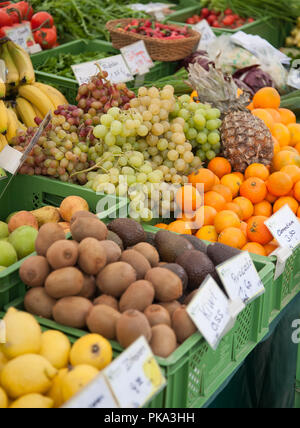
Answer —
(286, 200)
(298, 212)
(266, 98)
(276, 146)
(231, 206)
(233, 237)
(275, 114)
(257, 230)
(180, 226)
(279, 184)
(286, 116)
(265, 116)
(162, 226)
(207, 233)
(246, 207)
(188, 199)
(215, 200)
(250, 106)
(269, 248)
(220, 166)
(240, 175)
(205, 177)
(271, 198)
(284, 158)
(205, 216)
(254, 189)
(297, 147)
(263, 208)
(257, 170)
(282, 134)
(224, 191)
(293, 171)
(225, 219)
(217, 181)
(255, 248)
(233, 182)
(194, 95)
(244, 227)
(290, 149)
(294, 129)
(297, 191)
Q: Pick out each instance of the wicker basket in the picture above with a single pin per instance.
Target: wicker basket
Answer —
(159, 50)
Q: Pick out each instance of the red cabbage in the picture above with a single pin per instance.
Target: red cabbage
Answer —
(200, 57)
(254, 77)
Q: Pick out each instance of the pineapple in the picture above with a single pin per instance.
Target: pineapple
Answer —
(245, 138)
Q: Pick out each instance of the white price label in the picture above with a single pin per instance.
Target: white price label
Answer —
(137, 58)
(207, 34)
(10, 159)
(209, 310)
(115, 66)
(21, 35)
(135, 376)
(240, 278)
(285, 228)
(96, 395)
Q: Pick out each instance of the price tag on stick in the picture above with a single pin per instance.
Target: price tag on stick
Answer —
(21, 35)
(135, 376)
(137, 58)
(285, 228)
(240, 278)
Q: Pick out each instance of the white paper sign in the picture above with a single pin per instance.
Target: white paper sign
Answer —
(137, 58)
(209, 310)
(135, 376)
(21, 35)
(285, 228)
(10, 159)
(240, 278)
(95, 395)
(207, 34)
(117, 70)
(282, 254)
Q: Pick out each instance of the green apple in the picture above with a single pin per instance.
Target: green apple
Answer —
(8, 255)
(4, 232)
(2, 268)
(23, 240)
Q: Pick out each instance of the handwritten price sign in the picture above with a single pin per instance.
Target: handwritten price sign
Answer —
(137, 58)
(285, 228)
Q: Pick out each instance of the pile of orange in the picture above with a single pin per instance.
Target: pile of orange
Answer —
(224, 206)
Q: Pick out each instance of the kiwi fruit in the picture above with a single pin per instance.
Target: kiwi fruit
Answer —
(220, 253)
(163, 342)
(178, 270)
(148, 251)
(112, 250)
(34, 271)
(150, 238)
(102, 319)
(112, 236)
(138, 295)
(171, 246)
(64, 282)
(80, 214)
(89, 287)
(167, 285)
(107, 300)
(88, 227)
(92, 256)
(37, 302)
(156, 315)
(130, 326)
(48, 234)
(170, 306)
(190, 297)
(182, 324)
(197, 266)
(72, 311)
(162, 264)
(128, 230)
(62, 254)
(115, 278)
(139, 263)
(196, 242)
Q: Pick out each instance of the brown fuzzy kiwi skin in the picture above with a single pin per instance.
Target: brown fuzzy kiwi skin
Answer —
(108, 301)
(163, 342)
(138, 295)
(182, 324)
(87, 227)
(167, 285)
(190, 297)
(102, 319)
(64, 282)
(112, 250)
(112, 236)
(139, 263)
(48, 234)
(80, 214)
(115, 278)
(170, 306)
(92, 256)
(34, 271)
(149, 252)
(72, 311)
(130, 326)
(62, 254)
(37, 302)
(156, 315)
(89, 287)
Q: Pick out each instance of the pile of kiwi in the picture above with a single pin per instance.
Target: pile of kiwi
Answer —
(118, 281)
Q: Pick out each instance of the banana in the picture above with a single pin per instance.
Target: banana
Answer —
(26, 112)
(23, 63)
(57, 98)
(12, 125)
(3, 118)
(20, 125)
(2, 89)
(12, 77)
(37, 112)
(3, 142)
(36, 97)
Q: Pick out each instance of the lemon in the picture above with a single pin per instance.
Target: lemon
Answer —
(3, 399)
(93, 350)
(23, 334)
(55, 392)
(27, 374)
(56, 348)
(76, 380)
(3, 361)
(32, 401)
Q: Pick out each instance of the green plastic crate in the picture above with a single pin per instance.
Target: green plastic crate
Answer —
(69, 87)
(30, 193)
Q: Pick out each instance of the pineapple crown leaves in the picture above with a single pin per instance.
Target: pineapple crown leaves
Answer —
(216, 88)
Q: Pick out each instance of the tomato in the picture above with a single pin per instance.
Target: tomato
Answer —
(46, 37)
(5, 19)
(228, 12)
(251, 20)
(14, 13)
(205, 12)
(190, 21)
(42, 20)
(216, 24)
(229, 20)
(211, 19)
(25, 9)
